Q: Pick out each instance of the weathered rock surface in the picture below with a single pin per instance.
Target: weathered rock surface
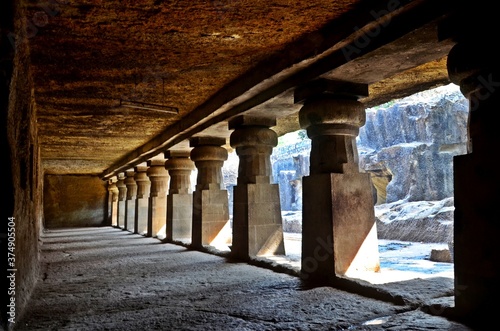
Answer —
(419, 221)
(414, 141)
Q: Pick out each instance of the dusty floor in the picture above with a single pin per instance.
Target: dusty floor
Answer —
(109, 279)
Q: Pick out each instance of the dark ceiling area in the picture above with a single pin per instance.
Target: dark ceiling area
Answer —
(119, 82)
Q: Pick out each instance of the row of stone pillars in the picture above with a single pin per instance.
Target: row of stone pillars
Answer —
(339, 233)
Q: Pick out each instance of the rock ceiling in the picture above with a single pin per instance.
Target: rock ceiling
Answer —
(207, 61)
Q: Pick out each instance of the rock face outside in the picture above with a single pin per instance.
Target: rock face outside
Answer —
(410, 145)
(409, 148)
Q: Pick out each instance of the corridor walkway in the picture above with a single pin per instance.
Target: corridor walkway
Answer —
(109, 279)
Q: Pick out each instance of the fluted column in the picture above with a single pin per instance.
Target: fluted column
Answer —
(257, 222)
(113, 201)
(122, 196)
(130, 200)
(142, 200)
(157, 207)
(338, 228)
(180, 197)
(473, 64)
(210, 200)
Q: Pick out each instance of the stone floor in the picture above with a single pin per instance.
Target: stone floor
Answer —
(109, 279)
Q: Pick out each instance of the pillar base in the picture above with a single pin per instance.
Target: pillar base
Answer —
(257, 222)
(339, 233)
(157, 217)
(179, 217)
(210, 217)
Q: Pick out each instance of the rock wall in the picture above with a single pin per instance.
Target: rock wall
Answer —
(74, 201)
(21, 184)
(410, 145)
(290, 163)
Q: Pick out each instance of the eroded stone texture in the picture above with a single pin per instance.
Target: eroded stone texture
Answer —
(142, 200)
(180, 197)
(257, 222)
(428, 130)
(22, 170)
(210, 200)
(338, 228)
(122, 196)
(130, 200)
(157, 206)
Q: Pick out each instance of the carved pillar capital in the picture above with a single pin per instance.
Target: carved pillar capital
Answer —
(142, 180)
(179, 166)
(208, 157)
(254, 142)
(113, 189)
(131, 184)
(122, 188)
(158, 177)
(332, 116)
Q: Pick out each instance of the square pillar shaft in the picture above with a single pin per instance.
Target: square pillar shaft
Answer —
(476, 183)
(179, 216)
(210, 217)
(210, 201)
(122, 195)
(113, 202)
(257, 222)
(339, 233)
(130, 201)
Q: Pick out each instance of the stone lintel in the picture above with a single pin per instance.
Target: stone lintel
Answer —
(206, 140)
(174, 154)
(156, 162)
(247, 120)
(330, 87)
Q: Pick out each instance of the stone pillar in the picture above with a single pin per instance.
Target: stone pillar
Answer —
(179, 198)
(210, 201)
(142, 200)
(157, 207)
(130, 201)
(338, 228)
(122, 196)
(473, 64)
(113, 201)
(257, 222)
